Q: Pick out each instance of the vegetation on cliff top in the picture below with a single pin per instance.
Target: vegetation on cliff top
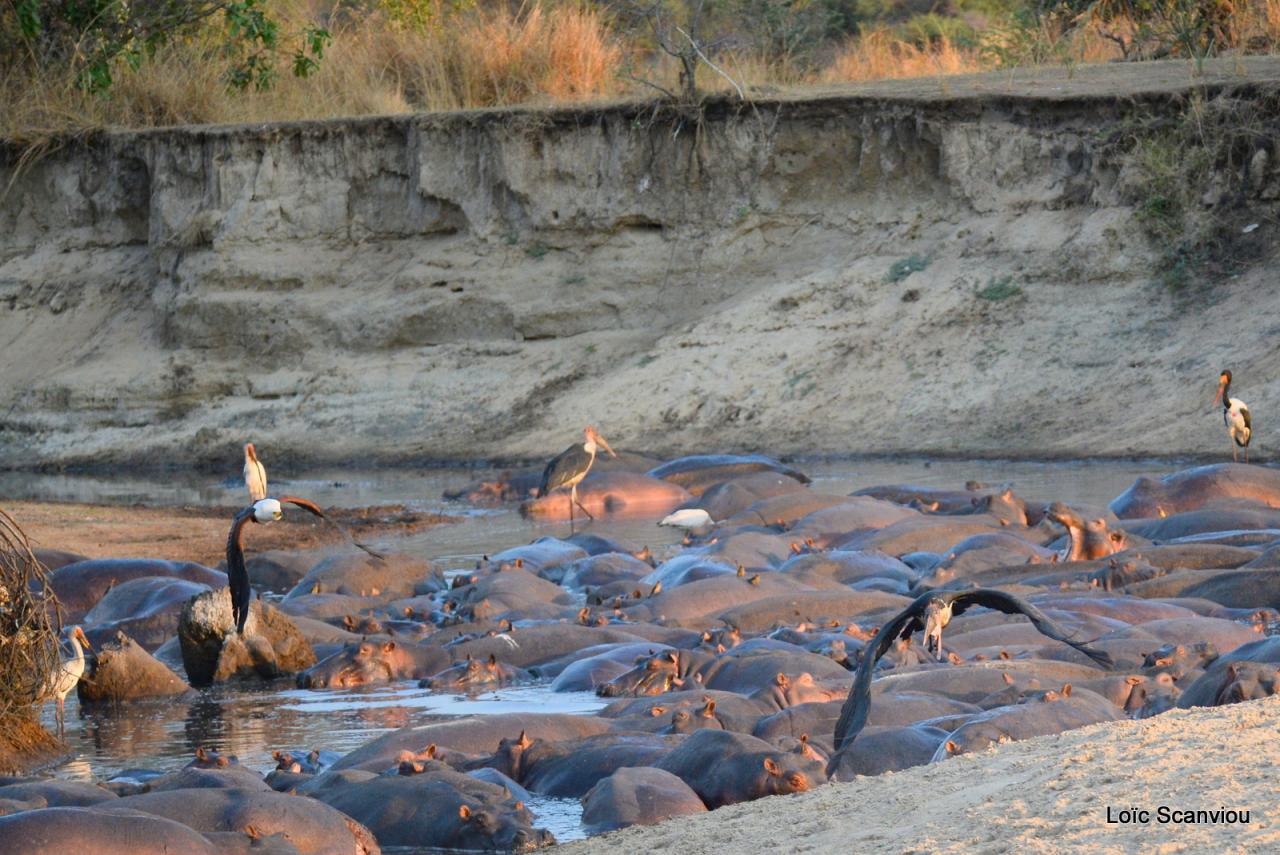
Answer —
(68, 65)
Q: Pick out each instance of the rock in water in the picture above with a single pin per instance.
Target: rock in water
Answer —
(123, 671)
(271, 647)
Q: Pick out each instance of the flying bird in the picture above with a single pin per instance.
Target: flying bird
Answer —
(572, 465)
(255, 474)
(931, 612)
(64, 681)
(1235, 415)
(262, 512)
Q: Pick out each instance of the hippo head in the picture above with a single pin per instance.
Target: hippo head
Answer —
(509, 759)
(1248, 681)
(652, 675)
(468, 674)
(488, 829)
(687, 721)
(354, 665)
(784, 775)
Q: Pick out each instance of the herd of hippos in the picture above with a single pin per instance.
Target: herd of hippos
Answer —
(793, 638)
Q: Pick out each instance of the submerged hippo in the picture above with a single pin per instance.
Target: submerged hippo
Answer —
(474, 674)
(1192, 489)
(369, 662)
(620, 495)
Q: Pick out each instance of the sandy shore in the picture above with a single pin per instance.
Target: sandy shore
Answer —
(1049, 794)
(195, 533)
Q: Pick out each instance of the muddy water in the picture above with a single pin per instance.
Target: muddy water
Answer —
(252, 723)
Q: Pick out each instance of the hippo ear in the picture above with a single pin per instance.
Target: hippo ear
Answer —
(720, 648)
(657, 711)
(781, 679)
(493, 661)
(1133, 680)
(388, 647)
(706, 635)
(254, 833)
(1008, 681)
(1232, 671)
(202, 755)
(772, 767)
(277, 756)
(524, 741)
(464, 813)
(349, 622)
(953, 658)
(709, 710)
(519, 805)
(431, 751)
(673, 657)
(1066, 690)
(223, 761)
(952, 748)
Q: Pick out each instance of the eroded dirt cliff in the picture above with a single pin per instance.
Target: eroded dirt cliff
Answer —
(943, 267)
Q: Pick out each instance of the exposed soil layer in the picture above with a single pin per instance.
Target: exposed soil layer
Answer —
(943, 266)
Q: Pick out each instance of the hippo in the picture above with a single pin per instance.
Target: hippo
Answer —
(730, 711)
(637, 796)
(368, 662)
(595, 666)
(729, 498)
(59, 830)
(981, 552)
(697, 472)
(279, 570)
(1087, 539)
(1192, 489)
(471, 674)
(813, 607)
(932, 499)
(470, 735)
(849, 567)
(540, 643)
(123, 671)
(786, 692)
(312, 827)
(55, 793)
(1052, 712)
(725, 768)
(787, 510)
(881, 749)
(698, 604)
(603, 569)
(510, 589)
(616, 495)
(661, 672)
(506, 486)
(569, 769)
(1228, 680)
(438, 809)
(1240, 589)
(922, 533)
(363, 575)
(52, 559)
(145, 609)
(79, 586)
(1207, 524)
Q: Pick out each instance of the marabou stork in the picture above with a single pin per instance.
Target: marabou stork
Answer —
(931, 612)
(69, 673)
(255, 474)
(1235, 415)
(572, 465)
(262, 511)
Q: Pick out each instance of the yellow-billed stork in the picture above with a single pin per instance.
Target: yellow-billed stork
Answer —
(255, 474)
(568, 468)
(1235, 415)
(69, 673)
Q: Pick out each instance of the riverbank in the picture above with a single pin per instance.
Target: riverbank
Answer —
(1050, 794)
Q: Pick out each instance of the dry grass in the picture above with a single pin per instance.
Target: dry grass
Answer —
(880, 55)
(452, 54)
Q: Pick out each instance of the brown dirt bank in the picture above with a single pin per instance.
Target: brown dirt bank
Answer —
(949, 266)
(1048, 794)
(196, 533)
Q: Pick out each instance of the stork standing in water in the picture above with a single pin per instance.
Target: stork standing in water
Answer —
(68, 675)
(1235, 415)
(263, 511)
(255, 474)
(572, 465)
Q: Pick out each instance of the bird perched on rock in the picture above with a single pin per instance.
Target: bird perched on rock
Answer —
(931, 612)
(1235, 415)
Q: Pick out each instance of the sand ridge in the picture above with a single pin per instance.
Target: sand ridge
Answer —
(1048, 794)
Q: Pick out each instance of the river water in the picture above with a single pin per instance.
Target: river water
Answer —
(251, 722)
